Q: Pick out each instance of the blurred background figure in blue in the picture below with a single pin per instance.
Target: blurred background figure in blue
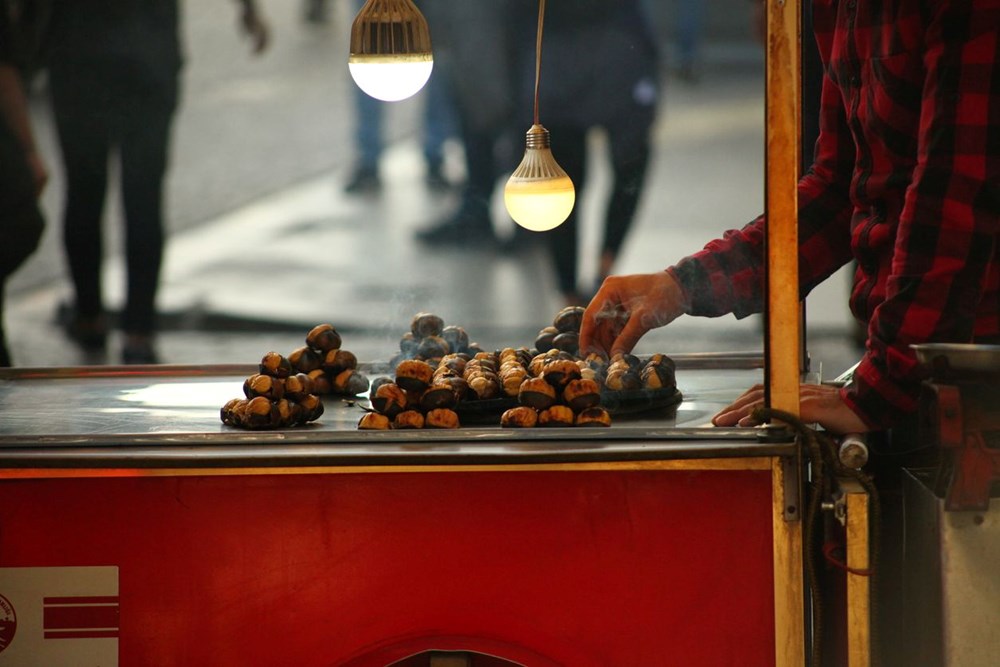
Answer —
(688, 37)
(600, 67)
(474, 44)
(440, 123)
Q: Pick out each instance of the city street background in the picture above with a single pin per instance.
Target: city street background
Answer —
(263, 243)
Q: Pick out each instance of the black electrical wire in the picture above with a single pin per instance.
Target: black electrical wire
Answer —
(823, 455)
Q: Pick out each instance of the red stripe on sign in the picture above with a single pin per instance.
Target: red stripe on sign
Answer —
(61, 618)
(83, 599)
(81, 634)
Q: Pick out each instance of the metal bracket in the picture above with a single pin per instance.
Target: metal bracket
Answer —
(791, 477)
(837, 504)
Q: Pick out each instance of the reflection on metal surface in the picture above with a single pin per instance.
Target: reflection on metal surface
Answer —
(184, 394)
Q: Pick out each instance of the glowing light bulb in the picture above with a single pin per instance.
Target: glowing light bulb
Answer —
(390, 49)
(539, 195)
(391, 78)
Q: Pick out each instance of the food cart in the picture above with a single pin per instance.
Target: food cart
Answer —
(137, 528)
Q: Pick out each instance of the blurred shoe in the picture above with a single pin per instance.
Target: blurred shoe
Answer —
(363, 180)
(435, 179)
(139, 350)
(90, 333)
(687, 73)
(459, 230)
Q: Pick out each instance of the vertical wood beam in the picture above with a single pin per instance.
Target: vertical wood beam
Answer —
(789, 585)
(783, 326)
(782, 123)
(859, 643)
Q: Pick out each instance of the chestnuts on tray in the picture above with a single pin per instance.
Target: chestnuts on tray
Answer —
(285, 392)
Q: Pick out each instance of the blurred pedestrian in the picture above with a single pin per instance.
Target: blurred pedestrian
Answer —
(474, 42)
(114, 69)
(440, 123)
(599, 70)
(690, 26)
(22, 172)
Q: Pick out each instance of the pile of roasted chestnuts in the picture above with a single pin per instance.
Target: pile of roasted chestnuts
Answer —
(286, 389)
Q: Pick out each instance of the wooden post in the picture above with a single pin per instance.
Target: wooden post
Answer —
(783, 327)
(781, 199)
(858, 585)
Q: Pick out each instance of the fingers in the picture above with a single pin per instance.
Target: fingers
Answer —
(603, 319)
(818, 404)
(625, 308)
(738, 413)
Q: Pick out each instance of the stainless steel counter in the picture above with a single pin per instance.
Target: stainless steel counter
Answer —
(169, 416)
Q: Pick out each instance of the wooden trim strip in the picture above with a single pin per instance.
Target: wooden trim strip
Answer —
(789, 592)
(751, 463)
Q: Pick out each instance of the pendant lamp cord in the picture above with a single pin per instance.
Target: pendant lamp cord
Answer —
(538, 53)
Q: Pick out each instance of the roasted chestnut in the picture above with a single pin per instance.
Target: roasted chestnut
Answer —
(374, 421)
(567, 341)
(432, 347)
(595, 416)
(569, 318)
(323, 337)
(297, 386)
(581, 394)
(658, 376)
(350, 382)
(543, 342)
(271, 388)
(275, 365)
(521, 416)
(619, 379)
(228, 413)
(457, 338)
(335, 361)
(389, 399)
(260, 413)
(441, 418)
(409, 419)
(438, 395)
(321, 382)
(560, 372)
(312, 408)
(486, 386)
(304, 359)
(414, 374)
(511, 381)
(426, 324)
(556, 415)
(536, 393)
(408, 344)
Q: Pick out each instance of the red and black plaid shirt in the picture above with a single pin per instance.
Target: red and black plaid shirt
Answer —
(906, 180)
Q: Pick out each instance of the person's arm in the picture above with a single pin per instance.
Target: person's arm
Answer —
(254, 26)
(14, 114)
(728, 275)
(947, 236)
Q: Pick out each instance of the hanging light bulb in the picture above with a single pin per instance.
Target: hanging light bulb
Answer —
(390, 49)
(539, 195)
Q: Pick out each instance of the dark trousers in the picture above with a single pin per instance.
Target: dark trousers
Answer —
(569, 147)
(21, 222)
(101, 109)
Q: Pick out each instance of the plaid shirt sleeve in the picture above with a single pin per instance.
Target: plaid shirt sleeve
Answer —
(943, 265)
(904, 181)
